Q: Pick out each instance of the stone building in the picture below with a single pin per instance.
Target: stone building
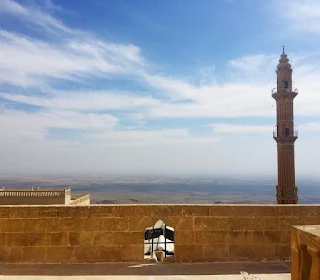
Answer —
(285, 133)
(42, 197)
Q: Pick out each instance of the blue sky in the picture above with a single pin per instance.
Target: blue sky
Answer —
(147, 87)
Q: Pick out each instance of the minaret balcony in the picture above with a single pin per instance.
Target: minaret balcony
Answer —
(286, 135)
(283, 91)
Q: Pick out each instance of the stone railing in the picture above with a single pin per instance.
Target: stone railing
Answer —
(33, 197)
(115, 233)
(305, 253)
(80, 199)
(31, 193)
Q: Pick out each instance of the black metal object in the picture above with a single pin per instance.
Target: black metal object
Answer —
(154, 233)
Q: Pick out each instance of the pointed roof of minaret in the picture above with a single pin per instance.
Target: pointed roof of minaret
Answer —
(283, 61)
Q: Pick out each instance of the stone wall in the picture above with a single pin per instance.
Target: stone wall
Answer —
(33, 197)
(116, 232)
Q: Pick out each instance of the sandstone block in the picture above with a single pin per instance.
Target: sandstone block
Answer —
(33, 254)
(212, 237)
(4, 212)
(215, 224)
(265, 223)
(197, 223)
(179, 223)
(220, 211)
(241, 224)
(141, 223)
(58, 238)
(128, 238)
(237, 237)
(188, 252)
(4, 251)
(14, 254)
(248, 211)
(100, 211)
(37, 239)
(132, 253)
(87, 253)
(195, 210)
(61, 254)
(282, 251)
(185, 237)
(103, 238)
(72, 212)
(111, 253)
(17, 239)
(3, 237)
(81, 238)
(114, 224)
(215, 252)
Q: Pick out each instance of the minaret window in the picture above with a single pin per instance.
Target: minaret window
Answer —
(286, 84)
(287, 131)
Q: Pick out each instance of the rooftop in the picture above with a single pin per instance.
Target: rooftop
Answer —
(106, 271)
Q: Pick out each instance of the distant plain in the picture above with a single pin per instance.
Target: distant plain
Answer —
(167, 189)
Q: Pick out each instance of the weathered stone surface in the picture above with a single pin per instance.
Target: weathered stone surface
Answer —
(189, 252)
(220, 211)
(58, 238)
(215, 224)
(141, 223)
(240, 223)
(103, 238)
(33, 254)
(4, 212)
(59, 254)
(236, 237)
(111, 253)
(197, 223)
(37, 239)
(132, 253)
(87, 253)
(215, 252)
(75, 211)
(14, 254)
(282, 251)
(81, 238)
(17, 239)
(128, 238)
(185, 237)
(3, 238)
(195, 210)
(212, 237)
(202, 232)
(114, 224)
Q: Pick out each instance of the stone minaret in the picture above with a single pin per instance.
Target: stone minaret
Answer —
(285, 132)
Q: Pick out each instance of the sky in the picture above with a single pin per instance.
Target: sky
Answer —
(154, 87)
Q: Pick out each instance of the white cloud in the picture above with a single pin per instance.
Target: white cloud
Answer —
(303, 15)
(241, 129)
(34, 15)
(24, 60)
(19, 126)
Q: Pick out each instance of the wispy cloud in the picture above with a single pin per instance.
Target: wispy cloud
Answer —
(302, 15)
(34, 15)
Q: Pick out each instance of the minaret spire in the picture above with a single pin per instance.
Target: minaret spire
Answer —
(285, 132)
(283, 46)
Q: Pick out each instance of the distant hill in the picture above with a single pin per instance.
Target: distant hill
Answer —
(119, 201)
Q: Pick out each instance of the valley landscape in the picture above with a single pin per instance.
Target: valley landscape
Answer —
(167, 189)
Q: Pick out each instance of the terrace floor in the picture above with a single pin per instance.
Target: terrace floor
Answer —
(126, 271)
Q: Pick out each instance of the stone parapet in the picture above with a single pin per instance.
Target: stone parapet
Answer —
(115, 233)
(305, 252)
